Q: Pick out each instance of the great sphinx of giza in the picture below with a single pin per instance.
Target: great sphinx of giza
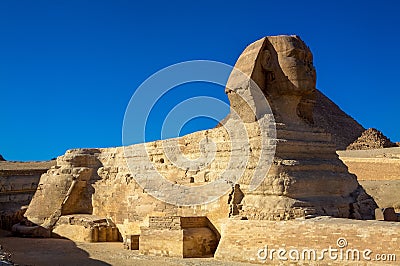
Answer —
(306, 173)
(306, 178)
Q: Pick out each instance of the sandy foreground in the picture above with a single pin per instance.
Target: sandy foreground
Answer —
(50, 251)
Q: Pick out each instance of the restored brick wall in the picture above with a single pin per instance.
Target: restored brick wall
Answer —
(242, 240)
(171, 222)
(194, 222)
(373, 168)
(375, 164)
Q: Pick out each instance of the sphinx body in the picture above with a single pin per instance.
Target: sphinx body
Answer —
(306, 177)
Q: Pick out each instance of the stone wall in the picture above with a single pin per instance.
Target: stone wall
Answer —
(18, 183)
(378, 171)
(243, 240)
(376, 164)
(18, 180)
(374, 168)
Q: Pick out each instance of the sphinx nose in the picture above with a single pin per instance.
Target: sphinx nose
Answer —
(310, 69)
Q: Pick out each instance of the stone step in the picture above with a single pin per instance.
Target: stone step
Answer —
(299, 147)
(303, 135)
(312, 165)
(321, 183)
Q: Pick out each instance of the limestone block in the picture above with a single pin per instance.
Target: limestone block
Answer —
(176, 236)
(77, 233)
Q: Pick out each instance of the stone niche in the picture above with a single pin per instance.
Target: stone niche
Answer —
(175, 236)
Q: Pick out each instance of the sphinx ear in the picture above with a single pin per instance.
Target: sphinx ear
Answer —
(266, 61)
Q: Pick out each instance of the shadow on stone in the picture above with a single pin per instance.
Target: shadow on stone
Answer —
(46, 251)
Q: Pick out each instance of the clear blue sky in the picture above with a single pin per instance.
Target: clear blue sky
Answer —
(69, 68)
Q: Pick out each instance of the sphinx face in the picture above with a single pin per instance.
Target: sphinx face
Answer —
(296, 62)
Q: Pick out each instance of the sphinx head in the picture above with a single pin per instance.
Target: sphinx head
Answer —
(282, 67)
(288, 63)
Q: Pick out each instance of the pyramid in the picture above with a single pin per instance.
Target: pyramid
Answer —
(371, 139)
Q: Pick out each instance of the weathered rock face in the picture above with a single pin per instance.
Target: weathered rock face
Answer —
(371, 139)
(306, 177)
(66, 188)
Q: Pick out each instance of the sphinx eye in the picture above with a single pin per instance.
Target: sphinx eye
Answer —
(292, 53)
(309, 57)
(296, 53)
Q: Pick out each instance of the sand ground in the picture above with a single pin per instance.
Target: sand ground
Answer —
(48, 251)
